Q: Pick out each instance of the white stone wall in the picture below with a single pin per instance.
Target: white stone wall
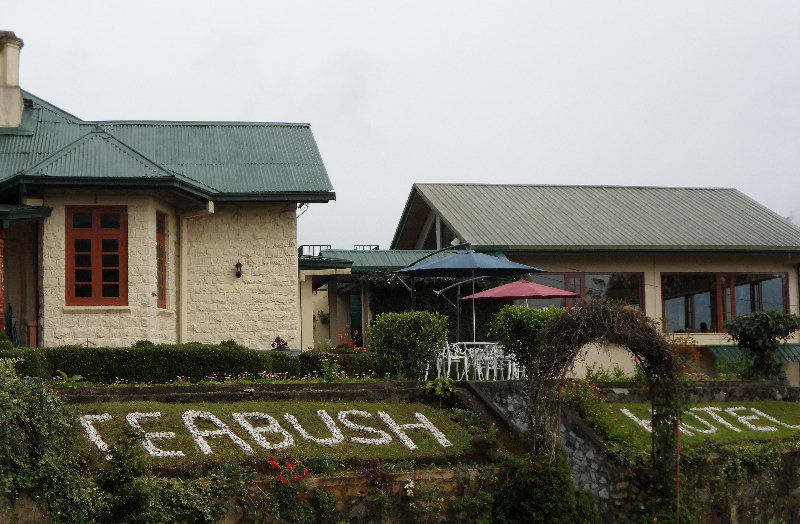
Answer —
(105, 325)
(263, 303)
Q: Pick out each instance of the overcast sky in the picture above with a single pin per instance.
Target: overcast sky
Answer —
(662, 93)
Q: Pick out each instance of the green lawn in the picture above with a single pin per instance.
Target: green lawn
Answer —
(622, 428)
(224, 450)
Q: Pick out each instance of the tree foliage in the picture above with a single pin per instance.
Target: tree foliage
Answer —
(517, 328)
(759, 335)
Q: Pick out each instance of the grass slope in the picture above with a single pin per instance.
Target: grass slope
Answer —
(225, 451)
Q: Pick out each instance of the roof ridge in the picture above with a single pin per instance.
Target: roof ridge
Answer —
(198, 123)
(598, 186)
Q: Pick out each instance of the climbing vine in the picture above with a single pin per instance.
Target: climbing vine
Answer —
(602, 322)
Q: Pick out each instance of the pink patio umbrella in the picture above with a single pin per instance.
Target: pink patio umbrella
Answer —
(522, 290)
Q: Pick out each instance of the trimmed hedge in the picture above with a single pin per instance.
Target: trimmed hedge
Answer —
(405, 344)
(146, 362)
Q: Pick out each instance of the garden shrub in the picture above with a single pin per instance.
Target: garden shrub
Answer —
(517, 329)
(759, 335)
(146, 362)
(542, 491)
(405, 344)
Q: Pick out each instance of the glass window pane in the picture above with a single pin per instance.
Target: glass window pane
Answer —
(772, 294)
(674, 315)
(626, 287)
(110, 245)
(82, 220)
(83, 245)
(111, 275)
(689, 302)
(83, 260)
(83, 275)
(742, 294)
(546, 279)
(110, 290)
(109, 220)
(110, 260)
(83, 290)
(702, 312)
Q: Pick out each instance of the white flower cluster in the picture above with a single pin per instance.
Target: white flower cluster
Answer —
(87, 421)
(147, 443)
(377, 436)
(257, 432)
(336, 434)
(382, 440)
(715, 413)
(424, 423)
(200, 436)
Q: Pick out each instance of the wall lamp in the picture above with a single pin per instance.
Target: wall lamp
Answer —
(238, 269)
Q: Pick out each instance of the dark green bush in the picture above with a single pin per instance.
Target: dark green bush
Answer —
(517, 329)
(146, 362)
(29, 362)
(542, 491)
(759, 335)
(405, 344)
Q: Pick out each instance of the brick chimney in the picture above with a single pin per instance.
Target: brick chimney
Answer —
(10, 93)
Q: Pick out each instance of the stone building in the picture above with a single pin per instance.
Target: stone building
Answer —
(117, 231)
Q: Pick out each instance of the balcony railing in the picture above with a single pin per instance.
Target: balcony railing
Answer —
(313, 250)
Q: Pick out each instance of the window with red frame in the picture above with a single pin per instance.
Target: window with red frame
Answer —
(161, 259)
(96, 255)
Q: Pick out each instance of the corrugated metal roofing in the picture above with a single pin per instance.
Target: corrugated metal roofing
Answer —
(229, 158)
(606, 217)
(381, 259)
(732, 353)
(320, 262)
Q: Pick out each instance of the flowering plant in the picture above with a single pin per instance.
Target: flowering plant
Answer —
(289, 474)
(279, 343)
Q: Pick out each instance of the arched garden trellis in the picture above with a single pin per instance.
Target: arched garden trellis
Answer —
(601, 322)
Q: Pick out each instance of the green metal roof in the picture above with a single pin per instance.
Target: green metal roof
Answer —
(588, 218)
(321, 262)
(382, 259)
(226, 160)
(732, 353)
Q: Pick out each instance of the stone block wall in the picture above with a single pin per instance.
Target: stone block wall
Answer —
(263, 303)
(103, 325)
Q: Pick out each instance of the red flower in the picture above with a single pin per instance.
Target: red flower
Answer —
(305, 472)
(419, 476)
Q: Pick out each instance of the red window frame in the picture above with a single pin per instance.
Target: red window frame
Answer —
(161, 260)
(96, 234)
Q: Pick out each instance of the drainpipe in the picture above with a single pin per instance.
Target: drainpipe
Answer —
(182, 266)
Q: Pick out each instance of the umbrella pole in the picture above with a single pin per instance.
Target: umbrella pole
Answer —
(473, 307)
(413, 296)
(458, 313)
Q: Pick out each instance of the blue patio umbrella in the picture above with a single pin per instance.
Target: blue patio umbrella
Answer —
(467, 264)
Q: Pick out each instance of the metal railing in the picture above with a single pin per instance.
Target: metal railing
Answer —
(366, 247)
(312, 250)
